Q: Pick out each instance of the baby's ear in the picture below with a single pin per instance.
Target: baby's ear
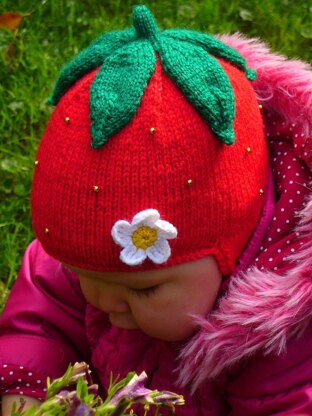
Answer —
(283, 87)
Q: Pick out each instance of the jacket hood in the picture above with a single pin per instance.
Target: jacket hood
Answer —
(265, 306)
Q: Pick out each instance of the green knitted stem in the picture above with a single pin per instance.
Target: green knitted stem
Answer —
(127, 59)
(117, 89)
(204, 83)
(144, 24)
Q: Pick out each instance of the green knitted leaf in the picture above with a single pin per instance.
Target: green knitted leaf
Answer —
(89, 59)
(213, 46)
(127, 60)
(118, 87)
(204, 83)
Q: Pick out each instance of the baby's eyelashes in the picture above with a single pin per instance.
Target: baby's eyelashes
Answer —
(145, 292)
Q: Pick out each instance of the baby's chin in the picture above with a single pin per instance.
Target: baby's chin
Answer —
(126, 321)
(172, 336)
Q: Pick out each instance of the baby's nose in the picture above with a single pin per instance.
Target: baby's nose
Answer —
(120, 306)
(111, 303)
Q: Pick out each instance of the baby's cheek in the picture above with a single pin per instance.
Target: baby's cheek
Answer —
(90, 291)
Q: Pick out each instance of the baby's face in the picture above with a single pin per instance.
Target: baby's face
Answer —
(159, 302)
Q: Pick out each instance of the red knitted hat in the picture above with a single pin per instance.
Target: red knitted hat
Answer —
(155, 159)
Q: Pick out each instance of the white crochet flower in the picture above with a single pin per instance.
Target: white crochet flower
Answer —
(146, 236)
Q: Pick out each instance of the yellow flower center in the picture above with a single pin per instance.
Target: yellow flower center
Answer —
(144, 237)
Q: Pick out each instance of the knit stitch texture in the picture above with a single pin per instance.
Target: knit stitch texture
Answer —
(129, 58)
(209, 191)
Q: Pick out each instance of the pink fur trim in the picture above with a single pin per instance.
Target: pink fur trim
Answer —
(282, 85)
(260, 311)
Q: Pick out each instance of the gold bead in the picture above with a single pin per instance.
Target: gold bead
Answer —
(261, 192)
(67, 120)
(36, 162)
(260, 106)
(189, 182)
(152, 130)
(96, 188)
(248, 150)
(46, 230)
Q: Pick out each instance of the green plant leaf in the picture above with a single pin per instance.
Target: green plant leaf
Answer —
(57, 384)
(246, 15)
(20, 190)
(82, 389)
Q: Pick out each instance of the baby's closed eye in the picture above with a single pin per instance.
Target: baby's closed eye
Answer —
(144, 292)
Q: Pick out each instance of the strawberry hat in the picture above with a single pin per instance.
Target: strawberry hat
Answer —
(154, 155)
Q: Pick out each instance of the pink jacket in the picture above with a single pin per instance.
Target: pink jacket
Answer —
(253, 354)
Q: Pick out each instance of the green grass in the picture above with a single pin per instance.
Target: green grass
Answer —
(53, 32)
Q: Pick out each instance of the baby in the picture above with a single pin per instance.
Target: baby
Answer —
(164, 200)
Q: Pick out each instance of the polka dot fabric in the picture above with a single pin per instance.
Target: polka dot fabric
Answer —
(292, 179)
(288, 131)
(18, 380)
